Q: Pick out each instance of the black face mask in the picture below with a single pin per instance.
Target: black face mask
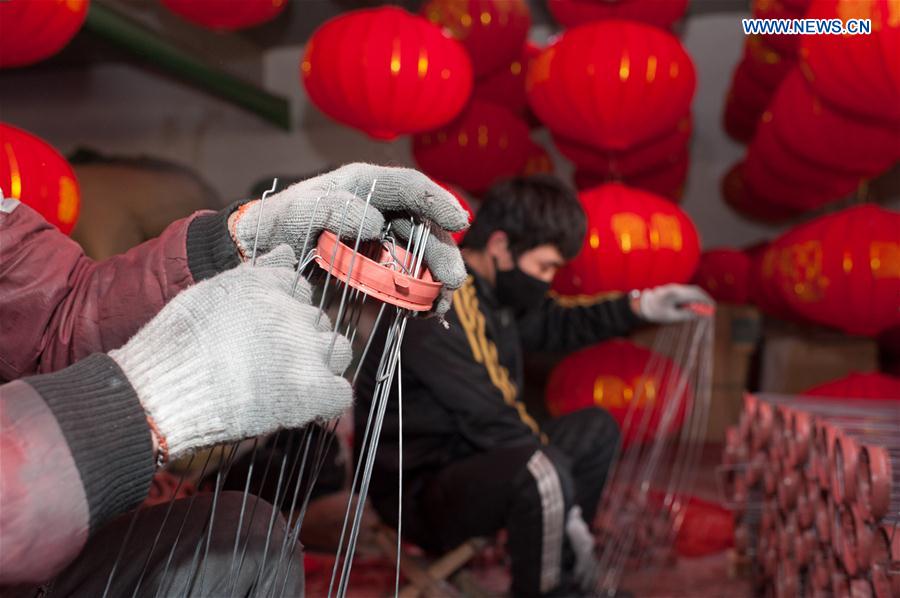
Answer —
(518, 290)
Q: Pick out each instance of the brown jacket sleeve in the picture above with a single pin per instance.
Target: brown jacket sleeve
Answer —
(75, 451)
(58, 306)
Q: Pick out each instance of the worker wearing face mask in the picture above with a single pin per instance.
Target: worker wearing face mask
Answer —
(474, 460)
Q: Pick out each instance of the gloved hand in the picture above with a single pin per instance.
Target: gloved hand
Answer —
(669, 303)
(587, 569)
(237, 356)
(399, 193)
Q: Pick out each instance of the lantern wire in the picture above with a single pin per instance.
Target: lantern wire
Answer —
(304, 453)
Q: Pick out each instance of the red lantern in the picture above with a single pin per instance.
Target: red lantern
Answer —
(635, 240)
(810, 129)
(486, 143)
(34, 30)
(506, 85)
(386, 72)
(744, 199)
(859, 74)
(493, 31)
(649, 155)
(226, 15)
(571, 13)
(611, 375)
(783, 178)
(666, 180)
(38, 176)
(859, 386)
(746, 101)
(843, 269)
(612, 84)
(724, 274)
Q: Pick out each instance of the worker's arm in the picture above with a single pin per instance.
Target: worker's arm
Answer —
(555, 327)
(58, 306)
(75, 450)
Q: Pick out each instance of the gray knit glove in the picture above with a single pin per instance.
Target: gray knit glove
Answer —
(399, 193)
(237, 356)
(670, 303)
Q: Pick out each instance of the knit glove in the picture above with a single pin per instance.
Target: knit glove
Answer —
(398, 194)
(582, 542)
(237, 356)
(671, 303)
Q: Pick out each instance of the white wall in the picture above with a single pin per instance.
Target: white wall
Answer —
(120, 109)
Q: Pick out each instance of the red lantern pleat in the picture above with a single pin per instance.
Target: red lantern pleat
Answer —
(859, 74)
(635, 240)
(386, 72)
(842, 270)
(724, 274)
(859, 386)
(611, 375)
(33, 30)
(571, 13)
(493, 31)
(485, 144)
(37, 175)
(612, 84)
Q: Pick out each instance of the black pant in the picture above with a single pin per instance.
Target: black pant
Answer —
(526, 489)
(88, 574)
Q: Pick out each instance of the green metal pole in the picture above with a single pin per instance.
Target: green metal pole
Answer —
(118, 29)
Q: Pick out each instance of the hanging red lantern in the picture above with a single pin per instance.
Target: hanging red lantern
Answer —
(666, 180)
(635, 240)
(660, 151)
(810, 129)
(34, 31)
(571, 13)
(486, 143)
(612, 375)
(386, 72)
(612, 84)
(859, 386)
(493, 31)
(226, 15)
(843, 269)
(746, 201)
(724, 274)
(506, 85)
(747, 99)
(38, 176)
(859, 74)
(784, 178)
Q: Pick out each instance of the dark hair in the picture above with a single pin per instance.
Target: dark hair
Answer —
(532, 211)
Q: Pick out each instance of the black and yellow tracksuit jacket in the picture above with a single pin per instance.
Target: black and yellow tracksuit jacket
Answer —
(461, 385)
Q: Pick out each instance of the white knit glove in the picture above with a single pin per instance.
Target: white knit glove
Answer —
(399, 193)
(671, 303)
(237, 356)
